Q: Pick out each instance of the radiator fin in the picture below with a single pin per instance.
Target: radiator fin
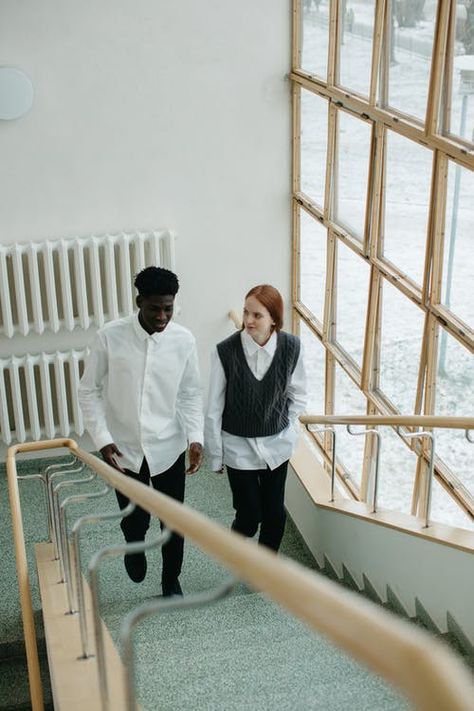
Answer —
(64, 284)
(38, 395)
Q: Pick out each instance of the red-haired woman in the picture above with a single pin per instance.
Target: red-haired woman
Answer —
(257, 390)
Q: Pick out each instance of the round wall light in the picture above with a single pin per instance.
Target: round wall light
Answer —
(16, 93)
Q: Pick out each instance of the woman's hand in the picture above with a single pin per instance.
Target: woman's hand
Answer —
(195, 457)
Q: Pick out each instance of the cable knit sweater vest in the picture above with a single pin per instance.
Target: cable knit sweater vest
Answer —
(257, 408)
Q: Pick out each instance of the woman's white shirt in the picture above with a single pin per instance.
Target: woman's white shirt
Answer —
(252, 452)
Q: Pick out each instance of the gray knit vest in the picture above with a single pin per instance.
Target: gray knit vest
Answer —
(257, 408)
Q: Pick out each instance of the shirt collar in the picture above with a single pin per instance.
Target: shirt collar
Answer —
(142, 334)
(251, 347)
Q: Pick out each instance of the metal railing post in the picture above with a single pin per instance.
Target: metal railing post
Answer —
(56, 518)
(333, 463)
(152, 607)
(76, 553)
(358, 433)
(50, 478)
(429, 483)
(93, 567)
(73, 499)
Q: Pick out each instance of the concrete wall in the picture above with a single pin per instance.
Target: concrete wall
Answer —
(149, 114)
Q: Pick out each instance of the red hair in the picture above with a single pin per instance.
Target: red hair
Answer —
(271, 299)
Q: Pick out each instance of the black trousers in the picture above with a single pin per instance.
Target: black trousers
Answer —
(258, 498)
(135, 526)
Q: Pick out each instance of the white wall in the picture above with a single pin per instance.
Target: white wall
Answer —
(438, 575)
(156, 113)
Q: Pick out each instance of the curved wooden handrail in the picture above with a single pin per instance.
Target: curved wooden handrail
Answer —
(36, 691)
(424, 669)
(463, 423)
(236, 319)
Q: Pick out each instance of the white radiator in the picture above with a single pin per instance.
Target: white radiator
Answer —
(75, 282)
(38, 396)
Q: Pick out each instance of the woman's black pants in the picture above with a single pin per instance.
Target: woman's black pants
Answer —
(135, 526)
(258, 498)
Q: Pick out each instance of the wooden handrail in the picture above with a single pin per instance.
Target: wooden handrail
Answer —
(36, 691)
(463, 423)
(236, 319)
(427, 672)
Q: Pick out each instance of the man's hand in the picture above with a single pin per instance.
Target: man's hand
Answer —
(110, 453)
(195, 457)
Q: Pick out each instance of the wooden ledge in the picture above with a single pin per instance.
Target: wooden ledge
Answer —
(308, 467)
(74, 681)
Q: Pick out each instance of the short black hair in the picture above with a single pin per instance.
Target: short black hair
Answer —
(156, 280)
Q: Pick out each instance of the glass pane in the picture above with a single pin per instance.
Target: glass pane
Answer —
(314, 359)
(407, 192)
(315, 37)
(411, 33)
(314, 131)
(461, 119)
(445, 510)
(458, 270)
(455, 397)
(355, 48)
(352, 292)
(352, 172)
(400, 347)
(313, 243)
(397, 473)
(349, 401)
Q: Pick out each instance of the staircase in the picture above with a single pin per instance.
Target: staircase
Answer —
(243, 652)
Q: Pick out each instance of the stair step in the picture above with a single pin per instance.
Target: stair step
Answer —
(236, 655)
(14, 687)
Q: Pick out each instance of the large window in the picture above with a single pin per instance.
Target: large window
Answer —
(384, 232)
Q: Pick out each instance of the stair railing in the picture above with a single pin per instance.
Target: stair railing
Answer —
(376, 433)
(332, 430)
(396, 421)
(77, 527)
(153, 607)
(424, 669)
(103, 554)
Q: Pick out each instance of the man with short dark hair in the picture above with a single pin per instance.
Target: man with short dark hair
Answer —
(140, 396)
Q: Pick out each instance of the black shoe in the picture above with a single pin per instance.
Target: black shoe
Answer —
(135, 565)
(171, 588)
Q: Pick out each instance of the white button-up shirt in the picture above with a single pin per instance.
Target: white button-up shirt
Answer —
(143, 393)
(252, 452)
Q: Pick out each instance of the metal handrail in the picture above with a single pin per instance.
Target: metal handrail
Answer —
(429, 483)
(358, 433)
(333, 459)
(76, 553)
(57, 524)
(152, 607)
(397, 421)
(428, 673)
(109, 552)
(73, 499)
(51, 473)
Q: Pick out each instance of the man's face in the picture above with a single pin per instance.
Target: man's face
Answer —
(155, 312)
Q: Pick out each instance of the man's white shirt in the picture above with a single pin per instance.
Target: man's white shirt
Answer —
(143, 393)
(253, 452)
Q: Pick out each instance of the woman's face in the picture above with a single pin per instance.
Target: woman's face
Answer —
(257, 320)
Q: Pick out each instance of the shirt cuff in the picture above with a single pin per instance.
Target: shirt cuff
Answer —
(100, 440)
(216, 464)
(196, 436)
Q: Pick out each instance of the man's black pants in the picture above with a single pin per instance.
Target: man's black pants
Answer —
(135, 526)
(258, 498)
